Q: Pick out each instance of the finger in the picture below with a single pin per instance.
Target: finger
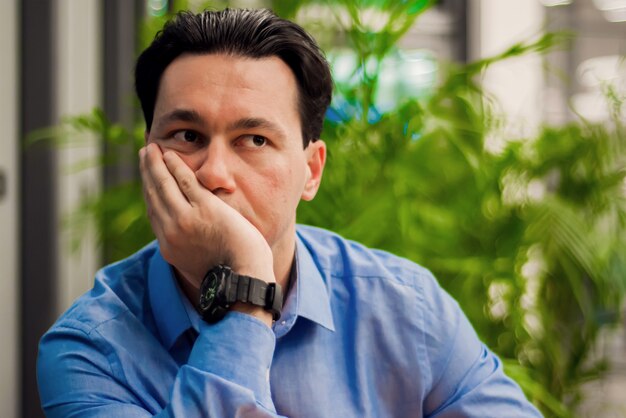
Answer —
(165, 207)
(155, 222)
(153, 203)
(162, 191)
(185, 178)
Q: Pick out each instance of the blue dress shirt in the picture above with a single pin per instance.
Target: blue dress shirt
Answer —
(363, 334)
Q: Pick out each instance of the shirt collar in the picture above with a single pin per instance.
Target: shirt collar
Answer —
(167, 301)
(313, 301)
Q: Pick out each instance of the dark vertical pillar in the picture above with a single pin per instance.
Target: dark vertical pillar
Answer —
(461, 11)
(38, 208)
(120, 29)
(458, 11)
(121, 19)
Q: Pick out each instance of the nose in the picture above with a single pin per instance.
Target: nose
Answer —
(216, 168)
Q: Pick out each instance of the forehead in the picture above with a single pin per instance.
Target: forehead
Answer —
(222, 86)
(259, 84)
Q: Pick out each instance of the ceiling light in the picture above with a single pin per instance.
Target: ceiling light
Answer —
(615, 15)
(605, 5)
(552, 3)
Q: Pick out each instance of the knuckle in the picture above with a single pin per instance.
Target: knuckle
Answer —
(184, 179)
(184, 224)
(185, 183)
(161, 183)
(149, 194)
(170, 236)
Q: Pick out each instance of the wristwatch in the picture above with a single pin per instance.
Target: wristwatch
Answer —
(222, 287)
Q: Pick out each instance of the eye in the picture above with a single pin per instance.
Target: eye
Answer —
(253, 141)
(187, 136)
(258, 140)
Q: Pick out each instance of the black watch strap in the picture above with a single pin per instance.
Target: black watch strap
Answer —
(222, 287)
(257, 292)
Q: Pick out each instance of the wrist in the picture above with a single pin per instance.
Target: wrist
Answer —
(224, 289)
(254, 311)
(258, 263)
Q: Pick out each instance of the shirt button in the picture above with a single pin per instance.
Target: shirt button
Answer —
(283, 322)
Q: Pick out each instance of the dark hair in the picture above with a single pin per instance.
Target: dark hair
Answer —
(247, 33)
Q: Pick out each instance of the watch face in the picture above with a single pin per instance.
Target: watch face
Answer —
(212, 294)
(210, 290)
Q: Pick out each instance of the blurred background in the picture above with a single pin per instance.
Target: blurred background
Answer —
(484, 139)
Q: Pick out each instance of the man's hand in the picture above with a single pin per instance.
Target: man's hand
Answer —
(196, 230)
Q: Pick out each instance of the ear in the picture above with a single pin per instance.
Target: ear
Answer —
(316, 158)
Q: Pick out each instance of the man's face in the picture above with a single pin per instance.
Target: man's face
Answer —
(234, 121)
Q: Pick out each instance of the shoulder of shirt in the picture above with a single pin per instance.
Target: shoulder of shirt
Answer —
(119, 288)
(341, 257)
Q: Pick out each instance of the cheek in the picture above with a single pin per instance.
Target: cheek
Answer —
(193, 161)
(273, 185)
(288, 183)
(276, 191)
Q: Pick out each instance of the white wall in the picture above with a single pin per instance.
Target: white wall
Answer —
(79, 73)
(518, 83)
(9, 216)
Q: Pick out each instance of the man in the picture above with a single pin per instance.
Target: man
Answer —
(193, 325)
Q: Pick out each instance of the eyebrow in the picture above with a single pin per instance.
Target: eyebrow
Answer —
(252, 123)
(182, 115)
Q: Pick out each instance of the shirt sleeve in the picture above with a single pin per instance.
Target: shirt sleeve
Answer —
(227, 375)
(467, 378)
